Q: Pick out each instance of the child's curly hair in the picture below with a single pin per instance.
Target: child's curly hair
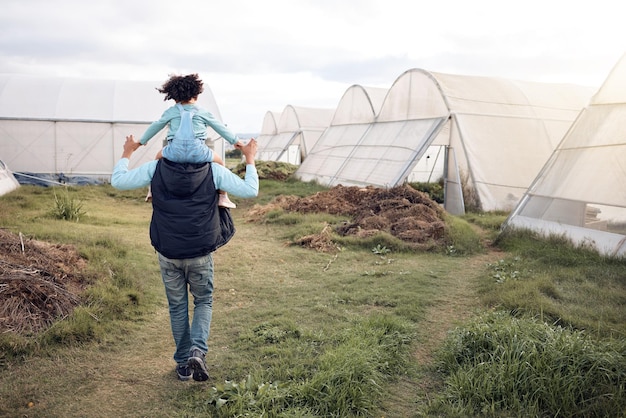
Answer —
(182, 88)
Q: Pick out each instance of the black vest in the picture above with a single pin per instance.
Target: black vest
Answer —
(186, 221)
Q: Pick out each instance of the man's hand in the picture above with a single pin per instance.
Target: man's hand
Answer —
(249, 151)
(130, 146)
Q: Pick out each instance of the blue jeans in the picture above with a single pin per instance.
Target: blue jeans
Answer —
(196, 276)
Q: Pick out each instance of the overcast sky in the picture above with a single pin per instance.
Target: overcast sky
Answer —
(261, 55)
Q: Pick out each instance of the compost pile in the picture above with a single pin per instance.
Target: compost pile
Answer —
(39, 282)
(407, 214)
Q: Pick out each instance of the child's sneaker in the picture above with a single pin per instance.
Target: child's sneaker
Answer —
(225, 202)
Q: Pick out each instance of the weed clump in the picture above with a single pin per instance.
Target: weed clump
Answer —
(67, 207)
(527, 367)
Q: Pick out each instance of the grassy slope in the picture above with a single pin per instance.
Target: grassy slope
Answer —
(259, 279)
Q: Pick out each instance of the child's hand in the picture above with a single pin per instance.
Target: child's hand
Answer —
(238, 145)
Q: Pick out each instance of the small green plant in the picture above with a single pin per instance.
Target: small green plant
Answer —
(505, 270)
(381, 250)
(67, 207)
(249, 395)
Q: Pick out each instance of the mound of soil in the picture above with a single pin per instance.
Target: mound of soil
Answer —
(39, 282)
(408, 214)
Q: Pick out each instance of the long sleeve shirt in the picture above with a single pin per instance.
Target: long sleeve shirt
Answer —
(201, 120)
(224, 179)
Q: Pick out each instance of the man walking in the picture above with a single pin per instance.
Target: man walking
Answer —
(186, 228)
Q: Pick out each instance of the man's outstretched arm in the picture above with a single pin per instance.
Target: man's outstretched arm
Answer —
(124, 179)
(230, 182)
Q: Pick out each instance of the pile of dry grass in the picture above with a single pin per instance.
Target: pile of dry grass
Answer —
(321, 241)
(39, 282)
(408, 214)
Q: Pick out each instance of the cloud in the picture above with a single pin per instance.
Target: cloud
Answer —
(260, 56)
(374, 72)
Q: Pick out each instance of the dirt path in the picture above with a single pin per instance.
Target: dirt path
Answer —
(456, 301)
(125, 378)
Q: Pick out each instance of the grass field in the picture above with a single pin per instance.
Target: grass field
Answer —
(525, 328)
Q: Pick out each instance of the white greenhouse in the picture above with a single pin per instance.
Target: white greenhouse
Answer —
(297, 131)
(8, 182)
(77, 127)
(581, 191)
(269, 129)
(487, 137)
(355, 113)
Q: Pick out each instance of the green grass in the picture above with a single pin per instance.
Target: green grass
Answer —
(562, 284)
(488, 222)
(344, 376)
(300, 333)
(498, 363)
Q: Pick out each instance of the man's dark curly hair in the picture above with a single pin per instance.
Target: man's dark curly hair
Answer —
(182, 88)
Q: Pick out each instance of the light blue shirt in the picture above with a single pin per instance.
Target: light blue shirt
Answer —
(201, 120)
(224, 179)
